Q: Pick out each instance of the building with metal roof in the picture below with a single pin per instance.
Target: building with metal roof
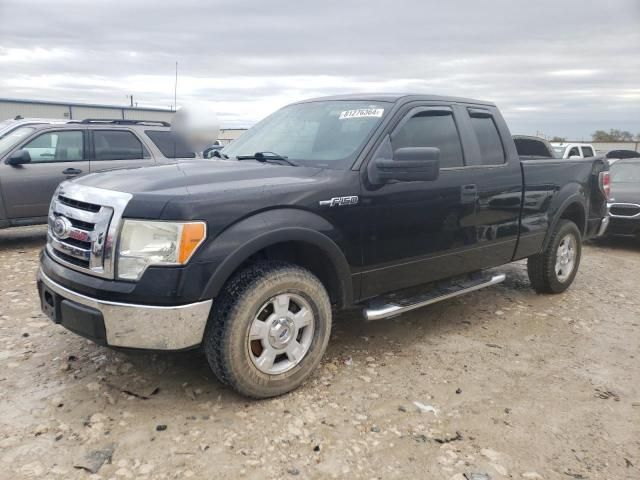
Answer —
(11, 108)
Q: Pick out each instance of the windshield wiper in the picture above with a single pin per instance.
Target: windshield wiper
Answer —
(267, 157)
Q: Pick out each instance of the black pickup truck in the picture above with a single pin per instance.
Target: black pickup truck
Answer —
(380, 202)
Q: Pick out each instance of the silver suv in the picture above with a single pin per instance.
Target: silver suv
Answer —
(34, 159)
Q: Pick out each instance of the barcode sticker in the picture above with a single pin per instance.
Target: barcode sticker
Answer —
(361, 112)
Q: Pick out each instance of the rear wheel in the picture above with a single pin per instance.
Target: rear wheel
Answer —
(554, 270)
(268, 329)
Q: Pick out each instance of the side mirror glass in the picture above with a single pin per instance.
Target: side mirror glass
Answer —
(19, 157)
(409, 164)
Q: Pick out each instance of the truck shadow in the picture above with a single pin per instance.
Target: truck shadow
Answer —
(186, 375)
(23, 237)
(616, 243)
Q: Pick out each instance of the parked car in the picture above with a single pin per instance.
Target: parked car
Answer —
(614, 155)
(624, 204)
(533, 147)
(384, 203)
(35, 158)
(574, 150)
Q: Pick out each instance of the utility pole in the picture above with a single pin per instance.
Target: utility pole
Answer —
(175, 90)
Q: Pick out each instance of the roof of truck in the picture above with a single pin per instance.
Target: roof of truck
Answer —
(395, 97)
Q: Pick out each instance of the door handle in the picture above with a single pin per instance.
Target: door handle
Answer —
(72, 171)
(469, 193)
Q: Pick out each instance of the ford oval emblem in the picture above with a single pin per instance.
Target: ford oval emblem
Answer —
(61, 227)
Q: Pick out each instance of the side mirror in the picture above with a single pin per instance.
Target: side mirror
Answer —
(575, 157)
(19, 157)
(409, 164)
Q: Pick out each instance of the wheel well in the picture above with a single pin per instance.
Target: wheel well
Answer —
(308, 256)
(575, 213)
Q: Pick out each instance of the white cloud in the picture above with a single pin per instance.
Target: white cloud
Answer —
(248, 58)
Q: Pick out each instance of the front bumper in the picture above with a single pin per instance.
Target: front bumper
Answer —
(125, 325)
(624, 226)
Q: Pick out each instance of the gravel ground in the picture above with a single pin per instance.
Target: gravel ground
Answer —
(502, 382)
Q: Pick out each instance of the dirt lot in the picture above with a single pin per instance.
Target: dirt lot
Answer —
(523, 386)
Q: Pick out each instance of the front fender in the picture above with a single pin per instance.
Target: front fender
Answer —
(230, 249)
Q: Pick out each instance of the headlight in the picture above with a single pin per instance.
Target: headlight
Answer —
(143, 243)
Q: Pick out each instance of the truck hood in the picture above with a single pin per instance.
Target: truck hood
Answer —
(625, 193)
(194, 177)
(220, 191)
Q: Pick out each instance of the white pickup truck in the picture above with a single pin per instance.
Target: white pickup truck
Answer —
(573, 150)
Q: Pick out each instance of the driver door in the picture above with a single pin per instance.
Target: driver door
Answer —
(56, 155)
(419, 231)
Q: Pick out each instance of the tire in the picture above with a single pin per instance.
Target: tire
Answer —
(260, 315)
(547, 272)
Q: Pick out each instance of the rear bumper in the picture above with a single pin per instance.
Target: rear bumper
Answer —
(124, 325)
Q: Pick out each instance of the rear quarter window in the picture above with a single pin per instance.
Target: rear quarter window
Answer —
(491, 149)
(169, 144)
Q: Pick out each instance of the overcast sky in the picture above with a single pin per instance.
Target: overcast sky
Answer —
(561, 67)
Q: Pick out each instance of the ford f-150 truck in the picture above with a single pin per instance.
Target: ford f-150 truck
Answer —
(380, 202)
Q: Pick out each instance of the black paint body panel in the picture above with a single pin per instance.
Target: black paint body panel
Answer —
(398, 235)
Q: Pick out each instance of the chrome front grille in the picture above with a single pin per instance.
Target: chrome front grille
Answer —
(627, 210)
(83, 227)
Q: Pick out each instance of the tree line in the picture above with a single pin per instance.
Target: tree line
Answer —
(613, 135)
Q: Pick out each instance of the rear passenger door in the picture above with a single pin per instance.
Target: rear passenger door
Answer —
(493, 170)
(117, 148)
(56, 155)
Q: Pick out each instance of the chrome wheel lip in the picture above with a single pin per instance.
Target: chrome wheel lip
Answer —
(566, 255)
(284, 335)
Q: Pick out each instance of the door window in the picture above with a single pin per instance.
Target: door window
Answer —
(574, 152)
(117, 145)
(61, 146)
(587, 152)
(491, 149)
(432, 129)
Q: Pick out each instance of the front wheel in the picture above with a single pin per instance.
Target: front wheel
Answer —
(268, 329)
(554, 270)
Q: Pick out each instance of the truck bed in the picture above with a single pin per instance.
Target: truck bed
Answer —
(549, 184)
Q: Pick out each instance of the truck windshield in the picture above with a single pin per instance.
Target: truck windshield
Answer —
(325, 134)
(8, 141)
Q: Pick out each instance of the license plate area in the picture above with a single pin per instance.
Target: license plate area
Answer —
(50, 303)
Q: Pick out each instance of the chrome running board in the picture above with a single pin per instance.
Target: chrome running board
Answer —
(385, 307)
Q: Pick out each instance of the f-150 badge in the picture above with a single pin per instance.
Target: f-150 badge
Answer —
(339, 201)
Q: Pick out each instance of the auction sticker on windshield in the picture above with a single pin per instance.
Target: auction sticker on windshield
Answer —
(361, 112)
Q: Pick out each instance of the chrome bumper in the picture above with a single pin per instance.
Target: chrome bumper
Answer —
(143, 326)
(603, 226)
